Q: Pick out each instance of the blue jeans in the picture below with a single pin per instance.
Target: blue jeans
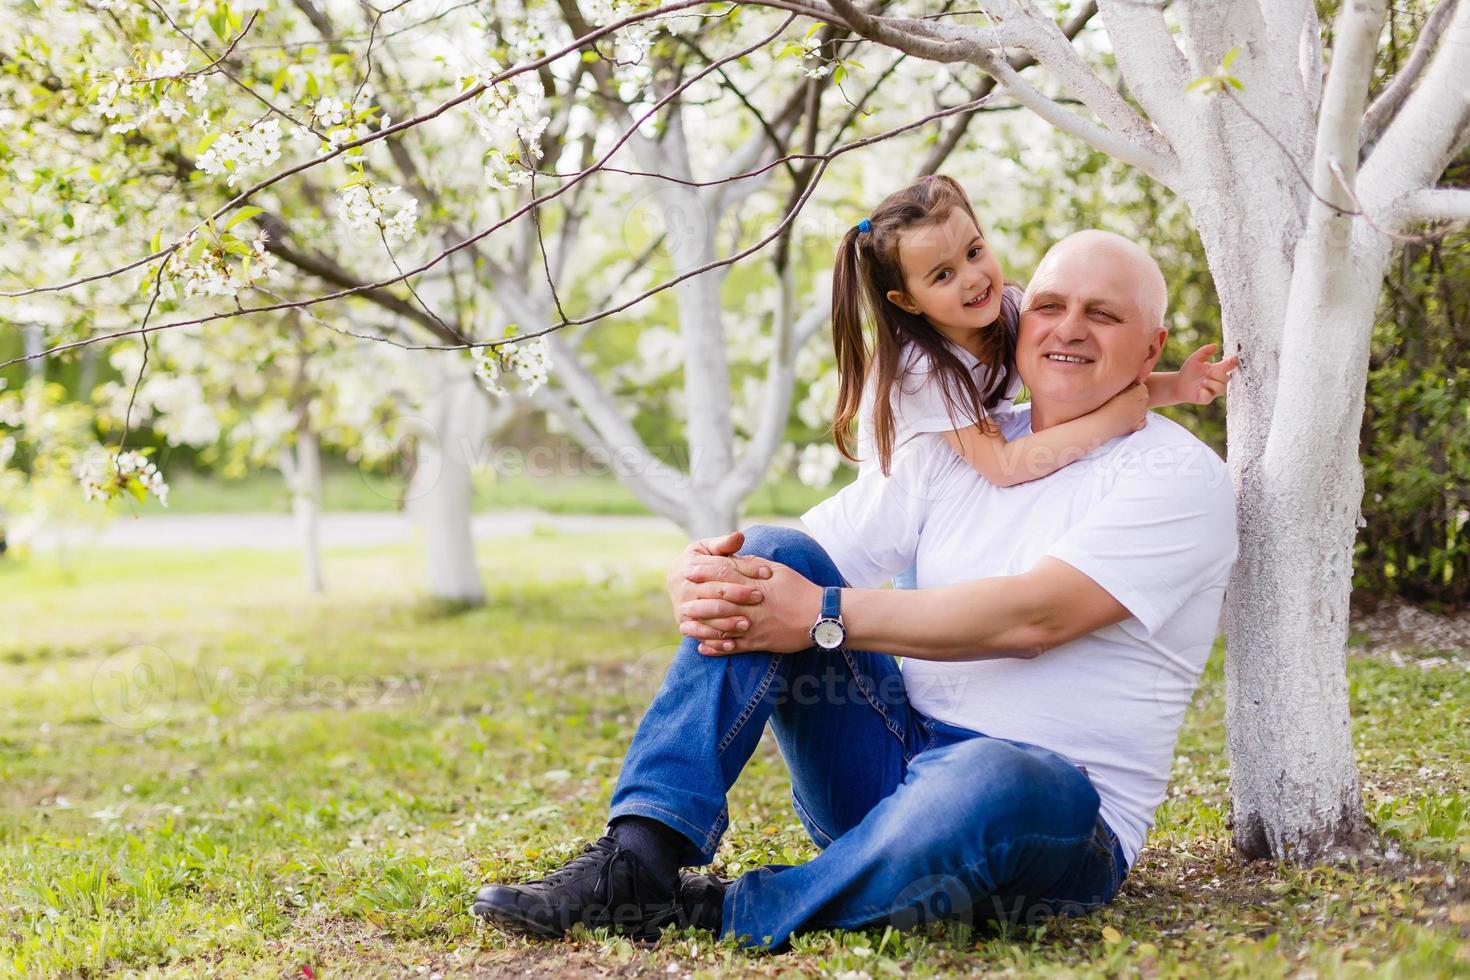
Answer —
(916, 819)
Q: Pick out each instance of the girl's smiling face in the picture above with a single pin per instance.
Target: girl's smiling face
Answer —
(951, 277)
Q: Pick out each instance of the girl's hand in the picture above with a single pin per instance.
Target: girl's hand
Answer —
(1127, 411)
(1201, 382)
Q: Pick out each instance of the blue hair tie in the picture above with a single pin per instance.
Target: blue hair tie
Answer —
(865, 226)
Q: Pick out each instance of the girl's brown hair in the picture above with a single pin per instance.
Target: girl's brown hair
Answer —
(867, 268)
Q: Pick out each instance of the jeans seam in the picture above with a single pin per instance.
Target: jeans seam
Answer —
(811, 822)
(877, 706)
(760, 692)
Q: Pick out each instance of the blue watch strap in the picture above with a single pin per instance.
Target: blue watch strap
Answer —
(831, 602)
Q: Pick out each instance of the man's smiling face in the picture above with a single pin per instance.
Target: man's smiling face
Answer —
(1091, 325)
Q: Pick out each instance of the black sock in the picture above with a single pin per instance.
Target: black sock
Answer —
(657, 845)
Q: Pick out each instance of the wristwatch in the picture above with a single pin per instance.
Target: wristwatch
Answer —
(828, 633)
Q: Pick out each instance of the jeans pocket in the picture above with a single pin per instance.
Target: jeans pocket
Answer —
(1093, 879)
(1104, 849)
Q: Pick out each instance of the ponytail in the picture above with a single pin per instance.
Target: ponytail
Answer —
(847, 341)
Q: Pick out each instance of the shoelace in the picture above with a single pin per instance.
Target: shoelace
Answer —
(602, 887)
(592, 852)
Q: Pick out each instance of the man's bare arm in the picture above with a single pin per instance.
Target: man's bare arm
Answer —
(1007, 616)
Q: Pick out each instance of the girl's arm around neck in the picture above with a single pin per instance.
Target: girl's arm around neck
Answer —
(1040, 454)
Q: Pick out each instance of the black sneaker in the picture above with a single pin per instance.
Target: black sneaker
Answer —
(702, 901)
(604, 886)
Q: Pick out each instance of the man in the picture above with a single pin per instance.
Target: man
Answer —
(1011, 765)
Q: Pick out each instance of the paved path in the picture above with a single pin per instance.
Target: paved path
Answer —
(345, 529)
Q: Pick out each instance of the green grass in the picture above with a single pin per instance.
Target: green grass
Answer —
(346, 488)
(205, 772)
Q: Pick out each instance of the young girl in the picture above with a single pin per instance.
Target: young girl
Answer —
(944, 362)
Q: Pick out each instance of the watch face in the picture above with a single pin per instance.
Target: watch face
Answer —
(828, 634)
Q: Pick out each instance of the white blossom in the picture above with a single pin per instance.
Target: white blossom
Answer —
(265, 428)
(184, 414)
(821, 400)
(487, 369)
(108, 95)
(811, 49)
(630, 43)
(217, 272)
(365, 206)
(105, 475)
(530, 361)
(173, 64)
(258, 146)
(660, 351)
(403, 224)
(171, 110)
(123, 126)
(816, 464)
(197, 89)
(510, 117)
(329, 111)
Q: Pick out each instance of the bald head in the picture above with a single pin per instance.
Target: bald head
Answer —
(1095, 245)
(1092, 323)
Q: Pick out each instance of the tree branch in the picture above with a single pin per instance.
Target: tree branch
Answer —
(977, 48)
(1156, 69)
(825, 158)
(552, 401)
(1437, 204)
(1356, 31)
(1018, 62)
(1431, 126)
(1041, 36)
(468, 94)
(1382, 109)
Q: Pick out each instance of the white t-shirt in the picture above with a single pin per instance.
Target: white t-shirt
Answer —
(918, 398)
(1149, 516)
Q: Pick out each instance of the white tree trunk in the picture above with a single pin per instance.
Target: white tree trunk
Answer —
(692, 228)
(450, 439)
(1294, 781)
(1293, 446)
(302, 468)
(708, 518)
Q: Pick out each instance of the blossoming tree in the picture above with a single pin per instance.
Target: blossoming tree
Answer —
(224, 92)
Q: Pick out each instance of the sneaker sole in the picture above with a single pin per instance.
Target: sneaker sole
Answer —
(512, 919)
